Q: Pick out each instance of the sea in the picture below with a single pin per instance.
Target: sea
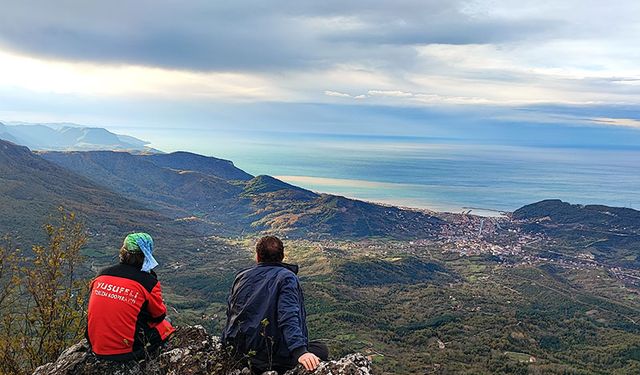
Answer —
(430, 173)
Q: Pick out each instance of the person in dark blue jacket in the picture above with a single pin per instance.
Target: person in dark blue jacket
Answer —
(266, 319)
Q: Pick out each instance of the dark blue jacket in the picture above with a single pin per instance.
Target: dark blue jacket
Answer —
(268, 291)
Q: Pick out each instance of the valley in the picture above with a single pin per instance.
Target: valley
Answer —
(422, 307)
(550, 288)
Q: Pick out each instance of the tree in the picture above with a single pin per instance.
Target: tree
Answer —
(8, 299)
(48, 298)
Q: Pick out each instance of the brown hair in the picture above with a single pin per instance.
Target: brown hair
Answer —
(133, 259)
(270, 249)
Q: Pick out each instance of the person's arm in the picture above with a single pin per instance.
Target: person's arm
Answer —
(156, 307)
(290, 324)
(223, 336)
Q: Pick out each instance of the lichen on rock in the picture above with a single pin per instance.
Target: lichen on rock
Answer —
(353, 364)
(191, 351)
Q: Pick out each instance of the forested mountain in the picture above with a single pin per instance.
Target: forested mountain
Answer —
(31, 188)
(215, 192)
(608, 234)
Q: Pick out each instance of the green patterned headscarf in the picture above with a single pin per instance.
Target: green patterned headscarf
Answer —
(141, 243)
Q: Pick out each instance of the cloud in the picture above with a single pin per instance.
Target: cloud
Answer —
(415, 97)
(129, 80)
(249, 35)
(626, 122)
(338, 94)
(392, 93)
(372, 53)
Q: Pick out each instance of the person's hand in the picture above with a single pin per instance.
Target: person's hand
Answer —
(310, 361)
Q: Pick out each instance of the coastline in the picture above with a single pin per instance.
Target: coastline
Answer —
(349, 188)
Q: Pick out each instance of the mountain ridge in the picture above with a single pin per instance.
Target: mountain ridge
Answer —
(183, 160)
(69, 137)
(217, 192)
(34, 187)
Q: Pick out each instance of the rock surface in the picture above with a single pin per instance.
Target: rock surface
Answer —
(190, 351)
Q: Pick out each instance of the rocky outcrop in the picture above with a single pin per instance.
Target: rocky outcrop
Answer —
(191, 351)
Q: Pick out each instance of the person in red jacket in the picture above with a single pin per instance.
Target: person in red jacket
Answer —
(126, 315)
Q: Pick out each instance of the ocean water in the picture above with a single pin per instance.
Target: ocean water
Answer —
(430, 173)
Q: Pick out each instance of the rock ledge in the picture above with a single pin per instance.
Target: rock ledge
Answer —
(191, 351)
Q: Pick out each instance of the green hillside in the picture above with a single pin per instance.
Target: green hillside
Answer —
(32, 188)
(609, 234)
(216, 193)
(551, 290)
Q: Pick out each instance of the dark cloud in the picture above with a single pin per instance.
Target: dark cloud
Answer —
(163, 33)
(446, 32)
(246, 35)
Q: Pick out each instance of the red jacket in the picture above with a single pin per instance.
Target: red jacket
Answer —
(125, 312)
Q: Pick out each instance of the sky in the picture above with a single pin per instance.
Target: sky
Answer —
(558, 73)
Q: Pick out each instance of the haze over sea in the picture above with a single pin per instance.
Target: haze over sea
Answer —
(433, 173)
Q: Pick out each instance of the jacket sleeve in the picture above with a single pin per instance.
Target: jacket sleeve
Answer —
(289, 317)
(156, 306)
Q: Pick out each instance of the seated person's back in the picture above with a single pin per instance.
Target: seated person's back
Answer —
(266, 318)
(126, 314)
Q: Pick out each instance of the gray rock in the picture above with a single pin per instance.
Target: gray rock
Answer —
(191, 351)
(67, 361)
(353, 364)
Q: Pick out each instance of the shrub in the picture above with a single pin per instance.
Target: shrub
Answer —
(43, 300)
